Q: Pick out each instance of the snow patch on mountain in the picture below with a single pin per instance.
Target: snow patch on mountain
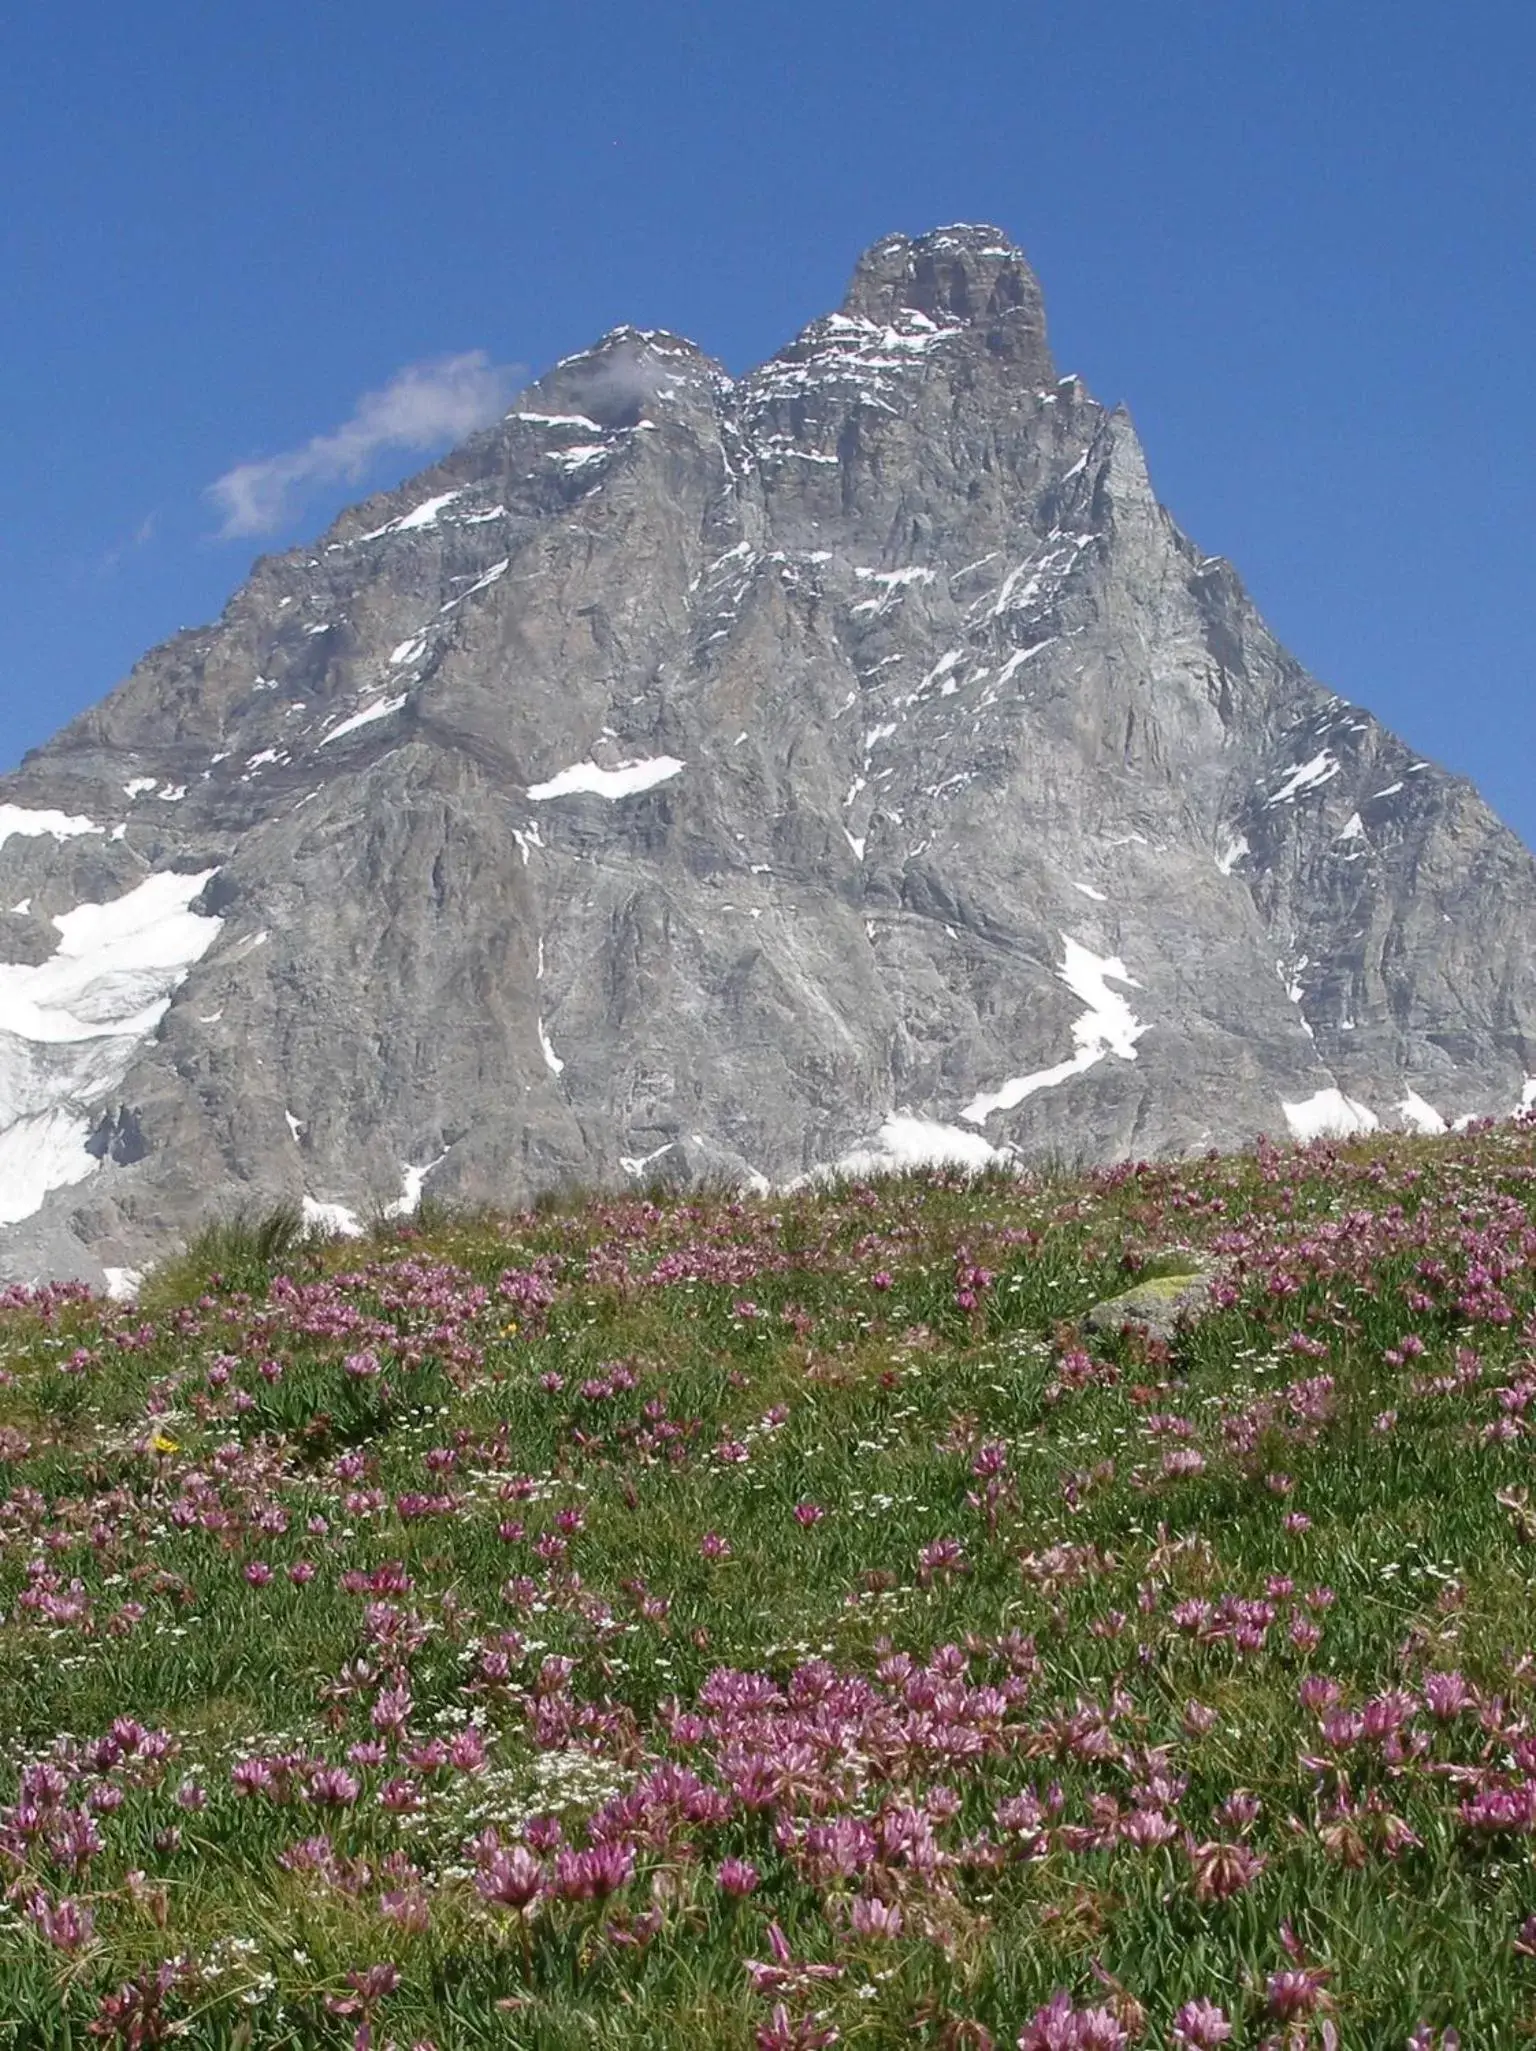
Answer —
(427, 514)
(904, 1142)
(412, 1182)
(1420, 1115)
(625, 781)
(1022, 655)
(559, 420)
(1307, 775)
(636, 1164)
(1329, 1115)
(1233, 853)
(115, 967)
(43, 1152)
(1108, 1026)
(380, 709)
(70, 1026)
(335, 1220)
(31, 822)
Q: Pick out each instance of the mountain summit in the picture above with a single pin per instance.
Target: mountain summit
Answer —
(852, 763)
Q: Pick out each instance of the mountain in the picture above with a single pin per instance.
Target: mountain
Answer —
(853, 763)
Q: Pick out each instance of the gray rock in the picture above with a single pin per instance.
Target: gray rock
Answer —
(1158, 1305)
(710, 778)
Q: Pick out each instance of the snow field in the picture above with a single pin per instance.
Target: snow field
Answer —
(70, 1026)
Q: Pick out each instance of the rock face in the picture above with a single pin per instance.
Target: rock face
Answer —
(691, 776)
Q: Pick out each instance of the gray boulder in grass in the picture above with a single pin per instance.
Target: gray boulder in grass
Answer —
(1158, 1305)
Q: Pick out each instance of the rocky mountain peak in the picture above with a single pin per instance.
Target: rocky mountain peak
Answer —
(968, 274)
(614, 381)
(850, 764)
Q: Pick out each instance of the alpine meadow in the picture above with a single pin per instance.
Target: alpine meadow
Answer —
(1063, 1610)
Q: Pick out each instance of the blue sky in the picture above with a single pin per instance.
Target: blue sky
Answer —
(1296, 237)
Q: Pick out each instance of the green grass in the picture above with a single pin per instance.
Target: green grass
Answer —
(884, 1400)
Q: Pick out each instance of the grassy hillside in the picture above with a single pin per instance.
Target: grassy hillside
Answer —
(781, 1624)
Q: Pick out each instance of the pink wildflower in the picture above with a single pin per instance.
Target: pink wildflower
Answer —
(511, 1878)
(1200, 2026)
(1182, 1463)
(391, 1711)
(1447, 1695)
(466, 1752)
(1222, 1870)
(333, 1788)
(803, 2033)
(1239, 1811)
(871, 1917)
(66, 1924)
(1061, 2027)
(785, 1973)
(1295, 1992)
(945, 1557)
(407, 1908)
(737, 1878)
(1148, 1829)
(1500, 1811)
(594, 1874)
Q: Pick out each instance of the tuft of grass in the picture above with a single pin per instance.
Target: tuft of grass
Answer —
(240, 1252)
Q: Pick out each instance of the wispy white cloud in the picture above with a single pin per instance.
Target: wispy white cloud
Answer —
(129, 544)
(424, 406)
